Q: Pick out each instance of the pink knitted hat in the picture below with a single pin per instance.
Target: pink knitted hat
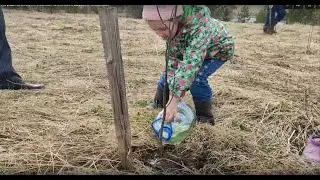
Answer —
(150, 12)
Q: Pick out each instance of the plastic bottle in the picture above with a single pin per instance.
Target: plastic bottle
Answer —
(312, 150)
(175, 132)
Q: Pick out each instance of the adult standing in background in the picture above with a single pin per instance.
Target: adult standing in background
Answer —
(281, 12)
(9, 78)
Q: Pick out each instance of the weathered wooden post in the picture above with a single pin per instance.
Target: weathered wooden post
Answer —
(108, 17)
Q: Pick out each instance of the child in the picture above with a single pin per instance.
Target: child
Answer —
(199, 46)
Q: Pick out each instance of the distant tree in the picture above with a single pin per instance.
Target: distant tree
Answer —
(260, 17)
(221, 12)
(244, 14)
(303, 16)
(316, 17)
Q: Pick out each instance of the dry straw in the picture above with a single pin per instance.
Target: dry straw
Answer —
(266, 102)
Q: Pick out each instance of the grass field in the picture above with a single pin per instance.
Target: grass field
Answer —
(266, 104)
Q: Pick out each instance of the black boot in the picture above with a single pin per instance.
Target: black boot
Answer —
(158, 99)
(265, 28)
(204, 111)
(270, 29)
(273, 26)
(18, 84)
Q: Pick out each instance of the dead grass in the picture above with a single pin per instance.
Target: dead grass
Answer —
(266, 101)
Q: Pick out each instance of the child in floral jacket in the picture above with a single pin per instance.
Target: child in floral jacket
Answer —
(199, 46)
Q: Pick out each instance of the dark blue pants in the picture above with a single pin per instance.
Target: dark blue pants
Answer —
(7, 72)
(200, 88)
(281, 12)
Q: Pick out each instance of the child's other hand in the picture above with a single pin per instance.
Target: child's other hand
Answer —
(172, 108)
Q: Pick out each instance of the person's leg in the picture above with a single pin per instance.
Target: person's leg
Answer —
(158, 97)
(281, 12)
(202, 92)
(6, 69)
(273, 13)
(9, 78)
(267, 19)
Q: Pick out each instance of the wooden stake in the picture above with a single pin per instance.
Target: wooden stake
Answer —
(108, 17)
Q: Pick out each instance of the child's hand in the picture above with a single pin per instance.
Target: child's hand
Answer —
(172, 108)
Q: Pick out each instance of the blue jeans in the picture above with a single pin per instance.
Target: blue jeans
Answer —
(6, 69)
(200, 88)
(281, 12)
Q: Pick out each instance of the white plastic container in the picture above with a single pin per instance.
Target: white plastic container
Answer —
(175, 132)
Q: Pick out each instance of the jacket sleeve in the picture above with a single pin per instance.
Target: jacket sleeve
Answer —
(182, 73)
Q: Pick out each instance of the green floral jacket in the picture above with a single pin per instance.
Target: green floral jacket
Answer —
(201, 38)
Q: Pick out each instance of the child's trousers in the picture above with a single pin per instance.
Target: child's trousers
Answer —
(200, 88)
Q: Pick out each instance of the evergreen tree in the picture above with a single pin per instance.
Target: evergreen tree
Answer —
(244, 14)
(303, 16)
(260, 17)
(221, 12)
